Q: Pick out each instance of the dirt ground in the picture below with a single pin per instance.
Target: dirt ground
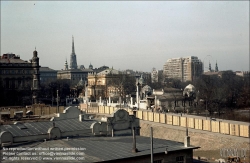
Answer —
(212, 155)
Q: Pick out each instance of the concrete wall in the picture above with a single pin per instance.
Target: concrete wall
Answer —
(234, 128)
(204, 139)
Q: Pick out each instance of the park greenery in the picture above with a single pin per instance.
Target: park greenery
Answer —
(214, 93)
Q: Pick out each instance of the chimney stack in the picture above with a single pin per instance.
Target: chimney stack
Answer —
(134, 150)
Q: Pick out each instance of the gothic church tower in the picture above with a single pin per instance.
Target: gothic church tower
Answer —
(73, 63)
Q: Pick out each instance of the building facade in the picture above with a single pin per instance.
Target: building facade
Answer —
(74, 75)
(104, 84)
(47, 74)
(17, 74)
(184, 69)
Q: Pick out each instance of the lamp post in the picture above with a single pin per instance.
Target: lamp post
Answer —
(206, 108)
(86, 93)
(57, 106)
(31, 95)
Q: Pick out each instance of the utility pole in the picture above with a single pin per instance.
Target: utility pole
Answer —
(138, 98)
(134, 150)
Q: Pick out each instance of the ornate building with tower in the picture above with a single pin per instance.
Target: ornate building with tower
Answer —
(18, 76)
(71, 72)
(36, 77)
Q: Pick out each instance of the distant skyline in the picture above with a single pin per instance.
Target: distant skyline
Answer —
(128, 35)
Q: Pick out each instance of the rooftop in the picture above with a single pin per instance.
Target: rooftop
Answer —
(98, 149)
(38, 128)
(12, 60)
(75, 70)
(43, 69)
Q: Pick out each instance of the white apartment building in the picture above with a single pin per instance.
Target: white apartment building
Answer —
(184, 69)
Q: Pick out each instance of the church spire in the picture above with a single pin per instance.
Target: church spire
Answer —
(73, 47)
(216, 67)
(210, 69)
(73, 62)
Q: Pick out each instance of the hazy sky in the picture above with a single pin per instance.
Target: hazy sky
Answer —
(128, 35)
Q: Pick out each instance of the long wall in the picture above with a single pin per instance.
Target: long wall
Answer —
(234, 128)
(199, 138)
(37, 110)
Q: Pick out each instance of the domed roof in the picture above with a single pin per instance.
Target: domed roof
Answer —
(90, 66)
(189, 91)
(82, 67)
(190, 87)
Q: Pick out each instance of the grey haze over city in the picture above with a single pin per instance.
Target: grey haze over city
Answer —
(128, 35)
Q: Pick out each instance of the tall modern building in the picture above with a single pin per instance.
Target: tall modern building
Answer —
(73, 63)
(184, 69)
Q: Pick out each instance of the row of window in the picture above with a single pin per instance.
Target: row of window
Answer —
(99, 82)
(14, 84)
(48, 74)
(77, 79)
(77, 75)
(16, 71)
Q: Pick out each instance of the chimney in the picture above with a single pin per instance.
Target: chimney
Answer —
(187, 139)
(81, 117)
(152, 145)
(134, 150)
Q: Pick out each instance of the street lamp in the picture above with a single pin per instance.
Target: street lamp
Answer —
(57, 106)
(206, 108)
(31, 95)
